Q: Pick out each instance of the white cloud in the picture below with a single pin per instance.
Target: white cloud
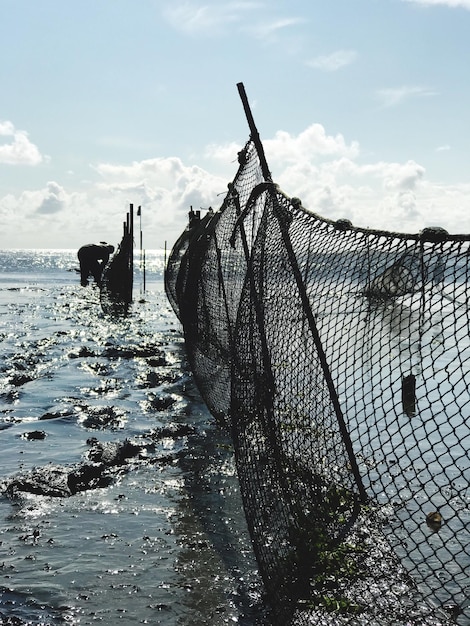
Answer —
(17, 149)
(6, 128)
(207, 19)
(328, 172)
(330, 176)
(395, 176)
(333, 62)
(63, 217)
(389, 196)
(165, 187)
(169, 174)
(216, 19)
(453, 4)
(267, 29)
(53, 200)
(394, 96)
(49, 217)
(309, 144)
(226, 152)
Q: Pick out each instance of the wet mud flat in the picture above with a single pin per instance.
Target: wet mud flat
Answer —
(119, 500)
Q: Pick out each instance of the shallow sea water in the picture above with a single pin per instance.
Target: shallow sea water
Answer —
(165, 541)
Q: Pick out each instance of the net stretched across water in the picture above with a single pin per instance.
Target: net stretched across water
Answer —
(339, 358)
(118, 275)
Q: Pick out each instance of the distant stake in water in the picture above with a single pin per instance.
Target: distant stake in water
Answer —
(142, 251)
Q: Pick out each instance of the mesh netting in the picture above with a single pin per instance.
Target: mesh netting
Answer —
(117, 279)
(338, 358)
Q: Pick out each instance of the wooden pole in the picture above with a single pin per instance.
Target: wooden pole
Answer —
(254, 133)
(305, 301)
(131, 255)
(143, 264)
(139, 213)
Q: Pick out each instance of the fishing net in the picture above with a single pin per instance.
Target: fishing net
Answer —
(339, 358)
(117, 279)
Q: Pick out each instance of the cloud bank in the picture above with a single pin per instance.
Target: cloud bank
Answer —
(327, 172)
(16, 148)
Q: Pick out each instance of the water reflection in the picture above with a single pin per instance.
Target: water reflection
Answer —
(132, 551)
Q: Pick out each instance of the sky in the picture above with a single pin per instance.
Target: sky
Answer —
(363, 108)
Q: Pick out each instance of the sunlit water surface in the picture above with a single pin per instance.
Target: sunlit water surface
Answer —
(166, 541)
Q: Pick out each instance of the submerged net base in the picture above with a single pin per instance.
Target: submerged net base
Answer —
(361, 581)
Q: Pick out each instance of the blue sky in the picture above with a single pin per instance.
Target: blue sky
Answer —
(363, 108)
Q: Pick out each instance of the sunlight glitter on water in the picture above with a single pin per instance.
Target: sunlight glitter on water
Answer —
(111, 552)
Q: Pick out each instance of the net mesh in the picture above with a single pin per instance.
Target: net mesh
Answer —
(338, 357)
(117, 279)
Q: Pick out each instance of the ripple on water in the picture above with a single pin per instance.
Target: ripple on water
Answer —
(166, 540)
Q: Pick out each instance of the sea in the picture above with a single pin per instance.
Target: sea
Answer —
(119, 501)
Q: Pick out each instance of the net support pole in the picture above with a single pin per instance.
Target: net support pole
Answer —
(254, 132)
(143, 269)
(139, 213)
(131, 253)
(322, 356)
(304, 298)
